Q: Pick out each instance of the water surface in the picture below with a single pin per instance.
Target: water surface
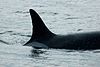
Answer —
(61, 17)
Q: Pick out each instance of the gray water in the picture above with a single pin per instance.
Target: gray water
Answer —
(61, 17)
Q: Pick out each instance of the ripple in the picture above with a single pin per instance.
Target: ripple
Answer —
(22, 12)
(21, 34)
(6, 32)
(38, 6)
(4, 42)
(96, 51)
(2, 33)
(42, 12)
(79, 29)
(72, 18)
(54, 13)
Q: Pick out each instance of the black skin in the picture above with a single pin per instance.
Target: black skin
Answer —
(43, 36)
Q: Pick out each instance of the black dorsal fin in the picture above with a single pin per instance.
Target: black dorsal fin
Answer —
(40, 31)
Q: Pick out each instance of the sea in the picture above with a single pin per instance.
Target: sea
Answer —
(62, 17)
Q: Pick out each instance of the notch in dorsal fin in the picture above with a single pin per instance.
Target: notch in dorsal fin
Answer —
(40, 32)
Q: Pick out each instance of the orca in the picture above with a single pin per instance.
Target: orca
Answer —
(42, 37)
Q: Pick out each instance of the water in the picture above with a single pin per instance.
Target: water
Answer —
(61, 17)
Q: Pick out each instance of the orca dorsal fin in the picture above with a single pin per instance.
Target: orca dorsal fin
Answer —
(40, 31)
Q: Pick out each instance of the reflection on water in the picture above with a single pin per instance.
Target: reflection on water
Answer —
(36, 53)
